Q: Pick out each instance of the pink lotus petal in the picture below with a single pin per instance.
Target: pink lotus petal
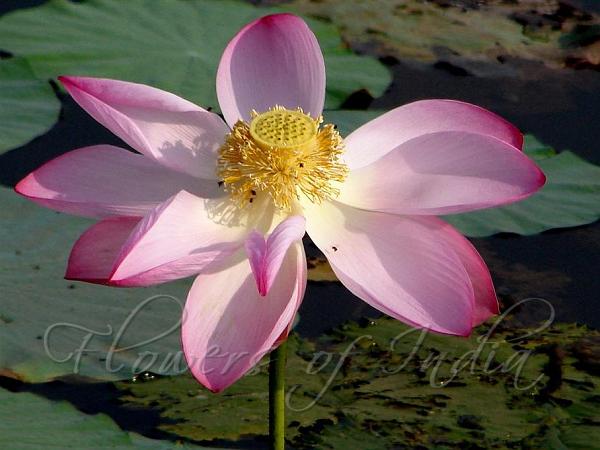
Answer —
(275, 60)
(383, 134)
(486, 303)
(397, 264)
(103, 180)
(267, 256)
(94, 253)
(179, 238)
(162, 126)
(228, 326)
(443, 173)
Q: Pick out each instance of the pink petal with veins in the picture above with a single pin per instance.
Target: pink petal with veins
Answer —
(383, 134)
(93, 255)
(175, 240)
(442, 173)
(104, 180)
(397, 264)
(266, 256)
(160, 125)
(485, 301)
(228, 326)
(275, 60)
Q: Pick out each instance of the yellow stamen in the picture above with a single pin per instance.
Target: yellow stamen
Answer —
(283, 153)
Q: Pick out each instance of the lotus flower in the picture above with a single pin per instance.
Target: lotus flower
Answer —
(229, 201)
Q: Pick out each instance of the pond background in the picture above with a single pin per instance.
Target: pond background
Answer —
(559, 105)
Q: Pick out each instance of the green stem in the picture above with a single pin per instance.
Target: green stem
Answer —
(277, 397)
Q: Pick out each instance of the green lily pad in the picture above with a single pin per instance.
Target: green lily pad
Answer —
(380, 384)
(349, 120)
(571, 196)
(173, 45)
(192, 412)
(28, 105)
(45, 320)
(59, 425)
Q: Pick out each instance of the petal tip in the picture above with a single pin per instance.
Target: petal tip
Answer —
(485, 313)
(22, 186)
(74, 273)
(462, 330)
(538, 181)
(68, 81)
(100, 281)
(28, 187)
(466, 334)
(541, 181)
(494, 307)
(520, 139)
(273, 19)
(215, 388)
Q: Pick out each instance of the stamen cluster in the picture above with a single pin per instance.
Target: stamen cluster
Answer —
(284, 154)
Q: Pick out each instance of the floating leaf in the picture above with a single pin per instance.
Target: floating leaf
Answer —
(173, 45)
(349, 120)
(192, 412)
(45, 319)
(28, 106)
(28, 421)
(377, 384)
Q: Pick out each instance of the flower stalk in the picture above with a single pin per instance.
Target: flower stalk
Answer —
(277, 397)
